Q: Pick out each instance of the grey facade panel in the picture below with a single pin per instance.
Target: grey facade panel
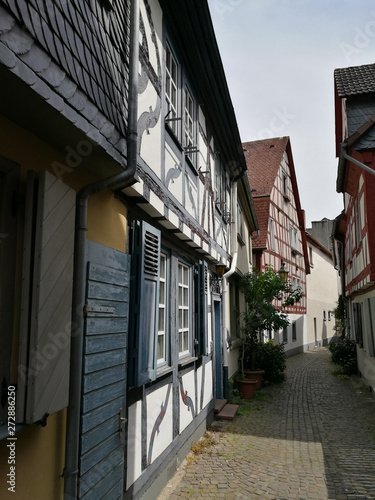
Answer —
(358, 113)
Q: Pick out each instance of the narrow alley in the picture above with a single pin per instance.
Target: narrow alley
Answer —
(299, 441)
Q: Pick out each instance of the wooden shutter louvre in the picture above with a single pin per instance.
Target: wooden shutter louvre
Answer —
(144, 303)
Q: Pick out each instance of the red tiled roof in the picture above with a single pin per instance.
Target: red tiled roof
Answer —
(263, 160)
(262, 209)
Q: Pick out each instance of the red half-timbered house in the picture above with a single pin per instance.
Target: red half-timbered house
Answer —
(282, 236)
(355, 227)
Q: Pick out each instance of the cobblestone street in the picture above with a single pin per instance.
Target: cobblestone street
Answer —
(313, 437)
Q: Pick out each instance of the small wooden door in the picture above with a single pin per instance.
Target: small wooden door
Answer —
(218, 352)
(104, 376)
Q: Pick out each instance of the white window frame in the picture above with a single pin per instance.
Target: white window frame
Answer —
(272, 234)
(163, 310)
(184, 307)
(171, 90)
(293, 238)
(189, 124)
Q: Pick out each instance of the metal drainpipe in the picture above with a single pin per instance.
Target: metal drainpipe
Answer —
(227, 275)
(356, 162)
(79, 281)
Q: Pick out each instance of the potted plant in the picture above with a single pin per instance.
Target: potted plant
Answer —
(267, 296)
(246, 387)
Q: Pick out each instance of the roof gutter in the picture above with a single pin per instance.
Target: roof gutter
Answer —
(342, 165)
(79, 284)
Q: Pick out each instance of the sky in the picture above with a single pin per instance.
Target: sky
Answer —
(279, 57)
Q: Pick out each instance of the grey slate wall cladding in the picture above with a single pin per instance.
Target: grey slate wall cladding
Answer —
(359, 111)
(75, 55)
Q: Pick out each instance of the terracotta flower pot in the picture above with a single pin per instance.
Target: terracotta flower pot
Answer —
(255, 375)
(247, 388)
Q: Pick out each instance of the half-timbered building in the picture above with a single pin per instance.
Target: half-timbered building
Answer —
(123, 187)
(183, 216)
(355, 227)
(282, 238)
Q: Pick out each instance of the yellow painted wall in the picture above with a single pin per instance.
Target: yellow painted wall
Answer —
(40, 452)
(39, 458)
(106, 215)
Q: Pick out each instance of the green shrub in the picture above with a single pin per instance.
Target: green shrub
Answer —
(271, 358)
(344, 353)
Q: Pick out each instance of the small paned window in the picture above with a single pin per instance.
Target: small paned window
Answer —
(183, 309)
(240, 223)
(285, 185)
(162, 322)
(189, 124)
(293, 238)
(171, 91)
(272, 234)
(220, 185)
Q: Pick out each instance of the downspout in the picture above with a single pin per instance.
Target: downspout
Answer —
(79, 283)
(353, 160)
(234, 252)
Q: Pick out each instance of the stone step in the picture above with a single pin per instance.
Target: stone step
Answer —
(219, 405)
(228, 412)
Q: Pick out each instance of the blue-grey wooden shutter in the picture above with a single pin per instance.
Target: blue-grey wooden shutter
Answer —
(144, 303)
(202, 297)
(51, 302)
(104, 374)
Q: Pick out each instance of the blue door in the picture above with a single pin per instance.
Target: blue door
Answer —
(104, 376)
(218, 353)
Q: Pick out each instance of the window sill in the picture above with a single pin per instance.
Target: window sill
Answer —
(163, 370)
(191, 165)
(174, 137)
(186, 361)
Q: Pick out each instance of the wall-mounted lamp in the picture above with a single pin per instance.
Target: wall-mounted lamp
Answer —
(220, 269)
(217, 279)
(283, 272)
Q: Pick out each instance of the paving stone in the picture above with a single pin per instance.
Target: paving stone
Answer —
(311, 438)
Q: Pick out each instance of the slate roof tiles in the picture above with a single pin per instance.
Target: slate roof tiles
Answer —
(355, 80)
